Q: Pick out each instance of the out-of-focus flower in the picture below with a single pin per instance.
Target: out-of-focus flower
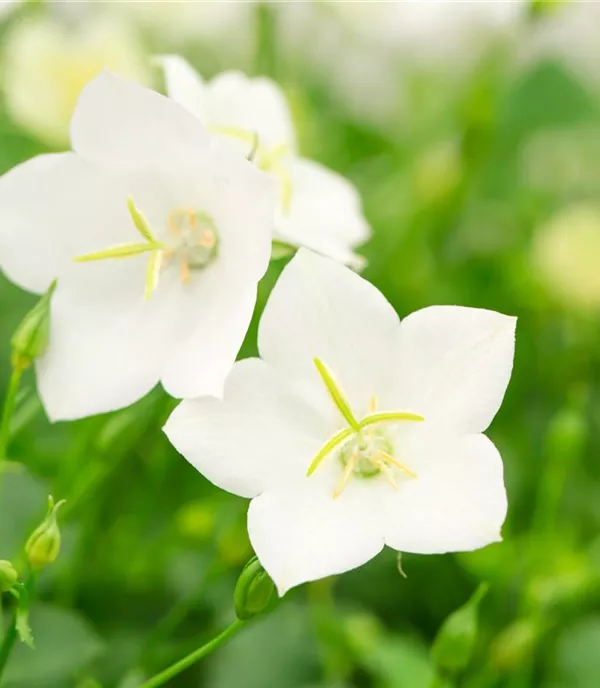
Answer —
(356, 431)
(6, 5)
(46, 64)
(318, 208)
(142, 166)
(8, 575)
(566, 254)
(570, 32)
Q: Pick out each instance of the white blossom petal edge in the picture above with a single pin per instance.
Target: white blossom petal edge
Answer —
(158, 238)
(356, 431)
(318, 208)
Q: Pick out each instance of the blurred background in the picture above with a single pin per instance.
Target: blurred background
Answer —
(472, 130)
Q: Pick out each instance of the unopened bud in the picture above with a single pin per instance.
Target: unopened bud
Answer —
(43, 546)
(253, 591)
(8, 575)
(31, 337)
(455, 641)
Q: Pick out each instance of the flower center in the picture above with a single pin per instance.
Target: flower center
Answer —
(194, 243)
(271, 160)
(364, 448)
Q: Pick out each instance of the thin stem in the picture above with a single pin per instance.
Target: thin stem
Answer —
(11, 634)
(9, 408)
(193, 657)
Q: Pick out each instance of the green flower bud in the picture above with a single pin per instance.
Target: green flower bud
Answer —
(515, 645)
(253, 591)
(8, 575)
(31, 337)
(455, 641)
(43, 546)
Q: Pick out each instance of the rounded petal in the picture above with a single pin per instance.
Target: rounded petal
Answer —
(117, 122)
(454, 364)
(253, 104)
(320, 309)
(107, 343)
(54, 208)
(457, 503)
(262, 436)
(302, 534)
(325, 214)
(220, 313)
(183, 84)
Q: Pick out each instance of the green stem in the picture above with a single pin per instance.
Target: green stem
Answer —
(266, 38)
(11, 634)
(193, 657)
(9, 408)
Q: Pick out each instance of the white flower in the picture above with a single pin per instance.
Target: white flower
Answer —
(46, 64)
(356, 431)
(319, 208)
(191, 224)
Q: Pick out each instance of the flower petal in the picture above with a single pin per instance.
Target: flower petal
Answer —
(326, 214)
(253, 104)
(302, 534)
(262, 436)
(117, 122)
(320, 309)
(219, 313)
(183, 84)
(454, 365)
(457, 503)
(107, 342)
(53, 208)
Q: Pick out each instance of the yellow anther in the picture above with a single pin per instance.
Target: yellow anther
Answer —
(388, 458)
(207, 239)
(346, 476)
(184, 272)
(373, 403)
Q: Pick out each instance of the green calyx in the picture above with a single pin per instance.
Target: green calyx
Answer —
(31, 337)
(253, 592)
(8, 575)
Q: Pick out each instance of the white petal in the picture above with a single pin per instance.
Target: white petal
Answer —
(183, 84)
(262, 436)
(320, 309)
(325, 213)
(107, 343)
(454, 365)
(121, 123)
(54, 208)
(219, 313)
(457, 502)
(302, 534)
(253, 104)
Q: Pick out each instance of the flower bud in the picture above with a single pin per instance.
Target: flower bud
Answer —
(253, 591)
(43, 546)
(8, 575)
(31, 337)
(455, 641)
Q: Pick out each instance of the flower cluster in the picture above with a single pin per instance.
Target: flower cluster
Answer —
(352, 430)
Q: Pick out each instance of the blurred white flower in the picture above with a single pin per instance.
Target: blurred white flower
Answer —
(6, 5)
(47, 63)
(356, 431)
(570, 33)
(318, 208)
(179, 232)
(566, 255)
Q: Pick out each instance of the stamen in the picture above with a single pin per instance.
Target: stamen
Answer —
(387, 473)
(390, 459)
(373, 403)
(184, 272)
(336, 394)
(346, 475)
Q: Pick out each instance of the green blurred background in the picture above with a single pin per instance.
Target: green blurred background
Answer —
(472, 131)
